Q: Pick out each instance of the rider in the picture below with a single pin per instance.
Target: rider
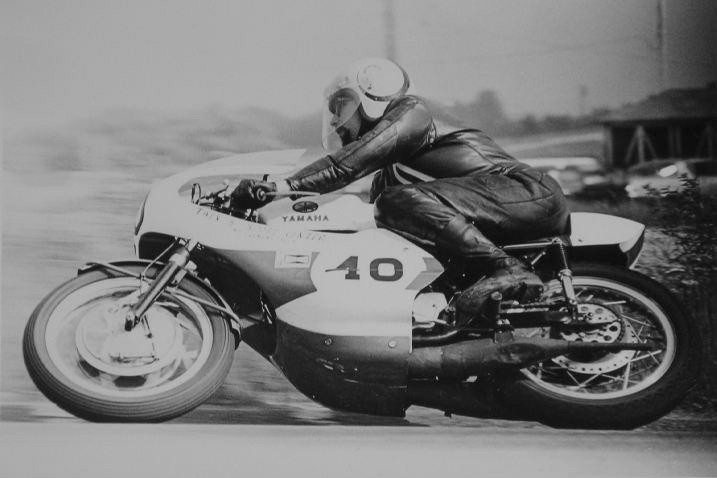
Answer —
(439, 184)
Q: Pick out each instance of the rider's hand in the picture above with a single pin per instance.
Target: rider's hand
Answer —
(252, 194)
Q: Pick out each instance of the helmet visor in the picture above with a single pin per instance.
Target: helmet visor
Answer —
(339, 108)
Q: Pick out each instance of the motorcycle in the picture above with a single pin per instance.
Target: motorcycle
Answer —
(356, 317)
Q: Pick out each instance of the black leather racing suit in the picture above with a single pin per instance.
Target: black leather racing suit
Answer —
(442, 185)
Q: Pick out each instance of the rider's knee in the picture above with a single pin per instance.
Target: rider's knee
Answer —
(393, 203)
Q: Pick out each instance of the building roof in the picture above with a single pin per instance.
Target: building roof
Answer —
(692, 103)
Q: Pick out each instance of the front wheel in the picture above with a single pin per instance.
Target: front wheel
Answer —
(79, 355)
(612, 390)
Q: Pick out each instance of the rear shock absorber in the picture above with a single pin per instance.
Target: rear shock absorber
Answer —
(565, 275)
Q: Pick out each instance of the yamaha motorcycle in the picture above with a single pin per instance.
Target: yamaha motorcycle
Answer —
(356, 317)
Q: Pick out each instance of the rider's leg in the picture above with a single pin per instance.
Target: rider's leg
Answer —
(503, 273)
(418, 213)
(462, 216)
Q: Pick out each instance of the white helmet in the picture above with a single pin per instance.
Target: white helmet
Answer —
(368, 85)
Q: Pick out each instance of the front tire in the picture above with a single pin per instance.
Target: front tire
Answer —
(78, 355)
(620, 390)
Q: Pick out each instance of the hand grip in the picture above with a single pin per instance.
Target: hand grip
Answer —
(260, 194)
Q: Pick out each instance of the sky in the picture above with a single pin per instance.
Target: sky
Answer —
(62, 60)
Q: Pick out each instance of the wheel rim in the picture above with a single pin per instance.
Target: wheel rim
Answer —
(86, 341)
(609, 375)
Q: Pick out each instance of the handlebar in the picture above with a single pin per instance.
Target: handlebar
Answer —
(289, 194)
(220, 198)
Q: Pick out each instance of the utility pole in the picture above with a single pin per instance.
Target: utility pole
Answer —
(583, 94)
(390, 29)
(662, 42)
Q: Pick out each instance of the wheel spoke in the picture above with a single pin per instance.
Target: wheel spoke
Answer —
(583, 384)
(639, 333)
(648, 355)
(572, 377)
(615, 302)
(612, 379)
(632, 319)
(626, 381)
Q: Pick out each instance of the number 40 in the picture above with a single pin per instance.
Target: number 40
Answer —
(350, 265)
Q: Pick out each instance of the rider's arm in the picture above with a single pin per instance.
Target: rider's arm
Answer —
(404, 129)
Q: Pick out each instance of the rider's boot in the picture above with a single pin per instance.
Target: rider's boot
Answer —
(505, 274)
(510, 277)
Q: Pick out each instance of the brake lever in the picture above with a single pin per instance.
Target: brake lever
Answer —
(215, 197)
(218, 194)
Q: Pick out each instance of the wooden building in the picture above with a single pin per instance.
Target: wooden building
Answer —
(677, 123)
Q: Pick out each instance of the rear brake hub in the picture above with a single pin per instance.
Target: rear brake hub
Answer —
(608, 328)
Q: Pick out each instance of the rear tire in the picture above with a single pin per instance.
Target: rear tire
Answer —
(619, 391)
(69, 344)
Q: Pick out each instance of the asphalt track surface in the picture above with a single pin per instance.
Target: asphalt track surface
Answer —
(257, 423)
(83, 450)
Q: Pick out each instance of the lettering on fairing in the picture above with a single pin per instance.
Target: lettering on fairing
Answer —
(251, 230)
(308, 218)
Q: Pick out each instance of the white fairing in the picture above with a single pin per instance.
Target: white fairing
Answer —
(362, 305)
(372, 294)
(365, 282)
(593, 229)
(168, 209)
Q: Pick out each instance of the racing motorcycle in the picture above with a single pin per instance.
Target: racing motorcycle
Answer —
(356, 317)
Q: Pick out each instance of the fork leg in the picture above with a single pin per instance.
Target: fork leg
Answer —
(176, 263)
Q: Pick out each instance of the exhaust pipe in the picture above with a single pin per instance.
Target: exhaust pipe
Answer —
(484, 356)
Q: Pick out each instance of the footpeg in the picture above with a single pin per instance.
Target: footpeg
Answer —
(491, 308)
(491, 313)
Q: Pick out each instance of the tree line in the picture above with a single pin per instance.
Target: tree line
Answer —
(486, 112)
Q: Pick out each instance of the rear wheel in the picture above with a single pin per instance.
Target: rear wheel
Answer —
(612, 390)
(79, 355)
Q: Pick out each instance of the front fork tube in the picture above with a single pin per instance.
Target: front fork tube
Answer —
(174, 266)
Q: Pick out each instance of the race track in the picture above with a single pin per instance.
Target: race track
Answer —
(84, 450)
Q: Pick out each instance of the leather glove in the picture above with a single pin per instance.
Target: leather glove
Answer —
(252, 194)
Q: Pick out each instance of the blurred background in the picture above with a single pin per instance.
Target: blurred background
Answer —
(616, 99)
(90, 85)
